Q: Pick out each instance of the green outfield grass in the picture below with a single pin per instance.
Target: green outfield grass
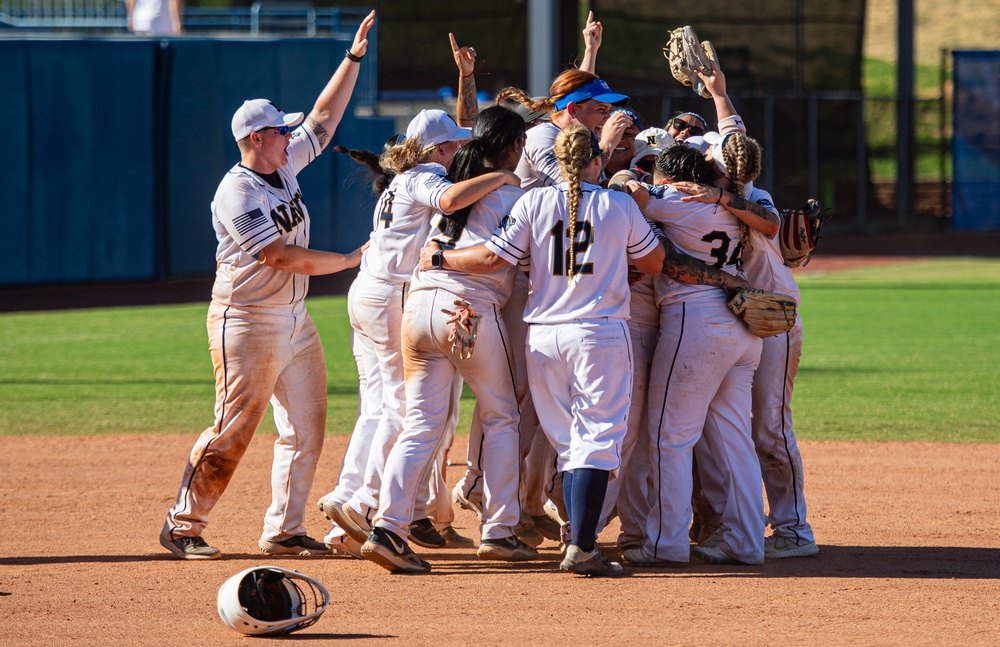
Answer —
(903, 352)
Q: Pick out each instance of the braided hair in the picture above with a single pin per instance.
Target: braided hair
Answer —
(741, 155)
(563, 84)
(575, 148)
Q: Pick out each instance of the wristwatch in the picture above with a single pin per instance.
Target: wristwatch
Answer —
(437, 259)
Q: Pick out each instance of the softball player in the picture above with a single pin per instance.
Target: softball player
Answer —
(432, 360)
(264, 345)
(774, 439)
(575, 239)
(700, 381)
(402, 219)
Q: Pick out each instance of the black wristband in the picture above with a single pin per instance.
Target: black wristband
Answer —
(437, 259)
(351, 57)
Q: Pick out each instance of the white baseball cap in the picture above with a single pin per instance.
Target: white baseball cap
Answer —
(256, 114)
(698, 142)
(717, 143)
(435, 127)
(651, 141)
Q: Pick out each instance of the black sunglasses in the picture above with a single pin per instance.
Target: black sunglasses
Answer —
(680, 126)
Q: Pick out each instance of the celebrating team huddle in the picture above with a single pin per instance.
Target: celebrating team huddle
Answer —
(598, 285)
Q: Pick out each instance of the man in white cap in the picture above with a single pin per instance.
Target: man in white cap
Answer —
(264, 345)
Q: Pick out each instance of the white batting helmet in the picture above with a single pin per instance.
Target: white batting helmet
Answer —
(267, 601)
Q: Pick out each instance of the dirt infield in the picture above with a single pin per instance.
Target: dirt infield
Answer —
(909, 536)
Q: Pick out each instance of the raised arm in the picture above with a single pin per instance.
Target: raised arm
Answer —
(332, 101)
(725, 112)
(468, 104)
(593, 34)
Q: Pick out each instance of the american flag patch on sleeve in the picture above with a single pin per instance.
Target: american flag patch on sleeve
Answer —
(249, 221)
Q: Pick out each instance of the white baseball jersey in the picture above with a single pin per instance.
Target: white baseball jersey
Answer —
(484, 218)
(706, 232)
(538, 166)
(402, 220)
(537, 236)
(763, 262)
(249, 214)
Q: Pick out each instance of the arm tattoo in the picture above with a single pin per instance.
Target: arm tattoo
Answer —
(468, 104)
(739, 204)
(689, 270)
(318, 130)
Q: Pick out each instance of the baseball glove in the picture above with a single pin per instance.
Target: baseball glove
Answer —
(765, 313)
(685, 56)
(464, 325)
(799, 232)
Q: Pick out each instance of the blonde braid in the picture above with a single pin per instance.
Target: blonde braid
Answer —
(573, 152)
(509, 97)
(402, 157)
(742, 157)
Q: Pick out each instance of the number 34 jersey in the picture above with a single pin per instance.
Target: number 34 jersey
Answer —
(704, 231)
(609, 230)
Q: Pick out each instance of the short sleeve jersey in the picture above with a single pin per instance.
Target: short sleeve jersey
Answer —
(484, 218)
(762, 261)
(538, 166)
(706, 232)
(609, 231)
(249, 214)
(402, 220)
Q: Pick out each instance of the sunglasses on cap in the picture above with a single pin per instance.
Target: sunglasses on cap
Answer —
(680, 126)
(281, 130)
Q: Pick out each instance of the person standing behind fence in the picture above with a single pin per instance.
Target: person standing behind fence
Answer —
(155, 17)
(264, 345)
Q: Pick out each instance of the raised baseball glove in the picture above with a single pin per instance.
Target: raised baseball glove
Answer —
(765, 313)
(799, 232)
(464, 325)
(685, 56)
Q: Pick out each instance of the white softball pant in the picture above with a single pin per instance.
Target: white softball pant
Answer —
(777, 450)
(352, 469)
(430, 371)
(580, 376)
(634, 483)
(376, 311)
(700, 384)
(260, 355)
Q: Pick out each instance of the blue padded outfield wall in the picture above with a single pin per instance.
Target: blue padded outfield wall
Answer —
(116, 146)
(976, 141)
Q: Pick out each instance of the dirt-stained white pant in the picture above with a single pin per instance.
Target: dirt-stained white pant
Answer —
(376, 311)
(430, 370)
(700, 384)
(260, 355)
(631, 490)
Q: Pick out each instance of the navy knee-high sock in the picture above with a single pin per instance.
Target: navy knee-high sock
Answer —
(567, 488)
(588, 489)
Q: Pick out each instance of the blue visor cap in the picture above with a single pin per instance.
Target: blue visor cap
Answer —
(597, 90)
